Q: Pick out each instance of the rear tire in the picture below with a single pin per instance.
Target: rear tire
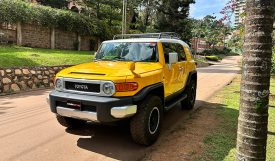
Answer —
(191, 90)
(146, 124)
(70, 122)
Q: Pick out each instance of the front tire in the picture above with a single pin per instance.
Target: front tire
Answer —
(191, 91)
(146, 124)
(70, 122)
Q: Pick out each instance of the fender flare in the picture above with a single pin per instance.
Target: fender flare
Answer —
(146, 90)
(192, 74)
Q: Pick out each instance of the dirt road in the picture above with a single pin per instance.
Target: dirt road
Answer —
(30, 132)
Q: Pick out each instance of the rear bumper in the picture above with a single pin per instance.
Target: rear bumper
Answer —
(94, 108)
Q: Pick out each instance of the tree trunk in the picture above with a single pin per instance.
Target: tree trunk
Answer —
(255, 84)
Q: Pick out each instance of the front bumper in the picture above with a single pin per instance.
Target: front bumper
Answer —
(94, 108)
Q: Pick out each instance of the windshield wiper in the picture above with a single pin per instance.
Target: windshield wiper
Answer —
(118, 59)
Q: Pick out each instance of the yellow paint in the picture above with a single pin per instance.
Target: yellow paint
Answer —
(144, 73)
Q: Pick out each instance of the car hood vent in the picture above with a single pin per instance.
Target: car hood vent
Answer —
(88, 73)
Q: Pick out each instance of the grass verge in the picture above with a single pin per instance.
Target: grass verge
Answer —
(219, 144)
(14, 56)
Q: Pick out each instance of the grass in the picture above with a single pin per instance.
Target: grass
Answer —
(219, 145)
(14, 56)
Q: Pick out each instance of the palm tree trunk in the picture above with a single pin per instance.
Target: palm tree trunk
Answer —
(253, 116)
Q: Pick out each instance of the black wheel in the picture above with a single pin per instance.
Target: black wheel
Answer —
(70, 122)
(145, 125)
(189, 102)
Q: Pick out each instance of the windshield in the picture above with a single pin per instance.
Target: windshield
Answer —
(138, 52)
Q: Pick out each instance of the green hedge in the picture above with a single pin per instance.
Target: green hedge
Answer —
(13, 11)
(212, 58)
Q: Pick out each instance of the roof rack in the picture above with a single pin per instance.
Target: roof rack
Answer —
(167, 35)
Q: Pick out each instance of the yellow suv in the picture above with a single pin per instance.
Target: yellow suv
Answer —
(134, 77)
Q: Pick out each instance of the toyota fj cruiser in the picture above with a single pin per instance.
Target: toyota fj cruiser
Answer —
(134, 78)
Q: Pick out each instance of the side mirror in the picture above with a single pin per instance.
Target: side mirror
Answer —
(173, 58)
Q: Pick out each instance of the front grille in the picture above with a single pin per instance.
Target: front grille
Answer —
(82, 87)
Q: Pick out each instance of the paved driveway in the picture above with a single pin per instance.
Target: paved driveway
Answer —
(29, 131)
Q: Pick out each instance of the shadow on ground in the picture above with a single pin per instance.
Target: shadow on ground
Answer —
(115, 141)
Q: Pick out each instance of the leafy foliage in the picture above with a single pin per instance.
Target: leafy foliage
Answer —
(216, 51)
(13, 11)
(214, 31)
(145, 15)
(172, 16)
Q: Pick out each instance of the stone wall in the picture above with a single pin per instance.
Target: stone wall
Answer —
(36, 36)
(65, 40)
(13, 80)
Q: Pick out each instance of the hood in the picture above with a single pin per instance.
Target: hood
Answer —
(109, 69)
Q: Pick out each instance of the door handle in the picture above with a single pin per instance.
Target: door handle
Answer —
(181, 68)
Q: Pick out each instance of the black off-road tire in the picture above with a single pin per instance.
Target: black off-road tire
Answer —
(70, 122)
(145, 125)
(189, 102)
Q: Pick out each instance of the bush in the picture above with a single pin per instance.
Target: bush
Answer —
(212, 58)
(13, 11)
(215, 51)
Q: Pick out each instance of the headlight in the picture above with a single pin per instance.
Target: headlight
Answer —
(108, 88)
(58, 84)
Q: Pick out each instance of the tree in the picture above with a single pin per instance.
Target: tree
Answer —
(209, 28)
(228, 11)
(255, 84)
(172, 16)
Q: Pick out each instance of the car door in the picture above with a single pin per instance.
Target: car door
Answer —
(171, 73)
(183, 75)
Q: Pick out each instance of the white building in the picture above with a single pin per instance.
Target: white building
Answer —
(239, 11)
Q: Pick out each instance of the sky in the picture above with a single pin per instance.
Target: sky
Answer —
(207, 7)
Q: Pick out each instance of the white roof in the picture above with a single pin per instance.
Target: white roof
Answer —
(147, 40)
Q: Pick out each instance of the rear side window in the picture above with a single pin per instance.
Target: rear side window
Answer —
(173, 48)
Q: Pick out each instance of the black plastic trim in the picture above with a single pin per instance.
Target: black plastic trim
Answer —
(145, 91)
(103, 105)
(194, 72)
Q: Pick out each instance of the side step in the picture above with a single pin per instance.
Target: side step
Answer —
(174, 102)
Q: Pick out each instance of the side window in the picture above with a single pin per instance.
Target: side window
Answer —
(173, 48)
(181, 52)
(167, 48)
